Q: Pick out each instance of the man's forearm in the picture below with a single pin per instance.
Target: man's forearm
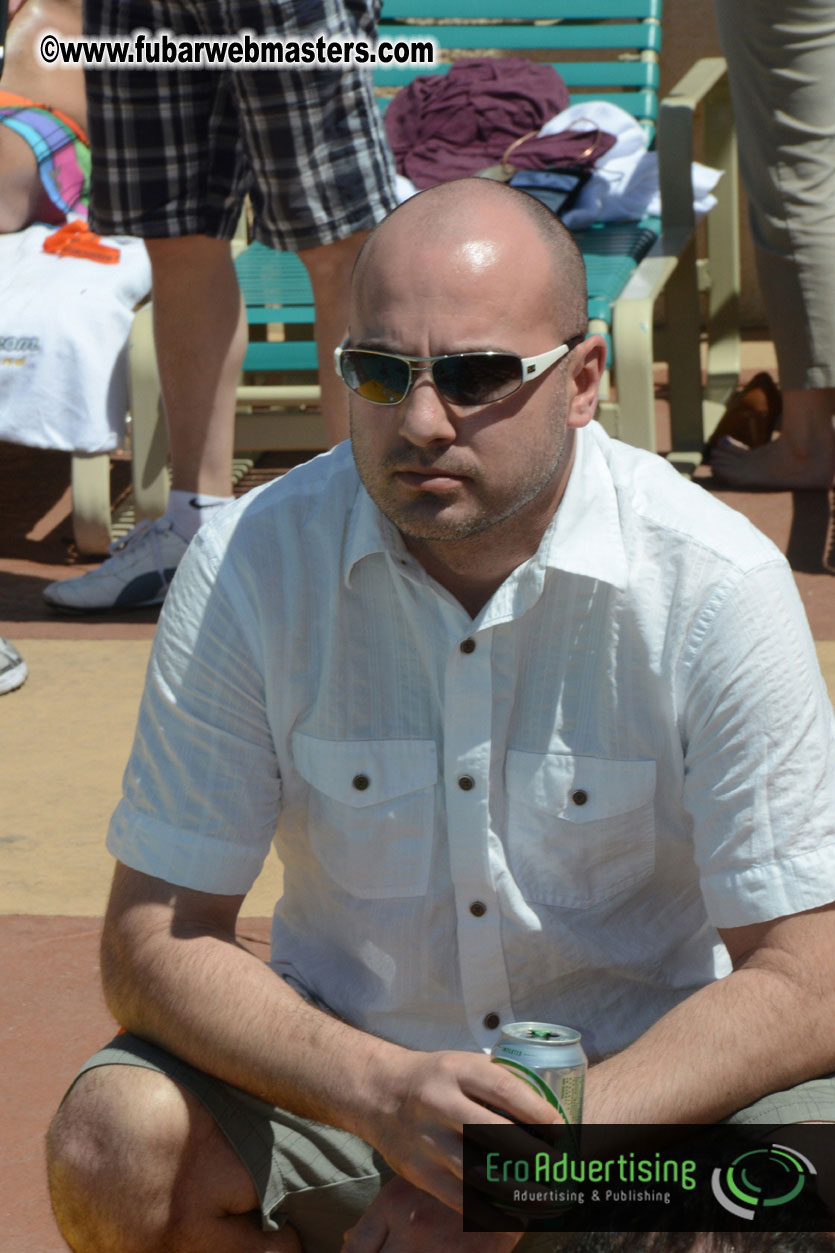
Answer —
(732, 1042)
(210, 1001)
(174, 973)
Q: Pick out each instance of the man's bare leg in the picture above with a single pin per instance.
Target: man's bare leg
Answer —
(137, 1165)
(201, 335)
(802, 456)
(329, 268)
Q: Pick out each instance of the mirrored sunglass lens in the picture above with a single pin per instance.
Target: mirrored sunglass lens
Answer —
(477, 378)
(376, 377)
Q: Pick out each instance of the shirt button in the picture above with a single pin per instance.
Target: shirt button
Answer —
(491, 1021)
(478, 909)
(466, 783)
(579, 797)
(361, 782)
(468, 646)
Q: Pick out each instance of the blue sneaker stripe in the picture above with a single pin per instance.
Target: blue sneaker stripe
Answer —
(145, 589)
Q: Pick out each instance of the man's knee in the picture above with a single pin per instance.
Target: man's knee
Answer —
(192, 253)
(335, 261)
(120, 1153)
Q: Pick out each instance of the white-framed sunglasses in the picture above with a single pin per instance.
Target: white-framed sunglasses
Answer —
(469, 379)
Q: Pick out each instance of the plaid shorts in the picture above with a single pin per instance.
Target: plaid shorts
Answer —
(175, 151)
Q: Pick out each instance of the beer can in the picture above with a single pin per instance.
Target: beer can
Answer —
(550, 1059)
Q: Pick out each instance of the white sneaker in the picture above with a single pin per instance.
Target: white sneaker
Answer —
(13, 669)
(137, 571)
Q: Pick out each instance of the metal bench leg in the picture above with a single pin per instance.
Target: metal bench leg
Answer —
(684, 354)
(723, 356)
(704, 84)
(91, 501)
(607, 410)
(632, 351)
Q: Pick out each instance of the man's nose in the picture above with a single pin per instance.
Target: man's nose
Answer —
(425, 417)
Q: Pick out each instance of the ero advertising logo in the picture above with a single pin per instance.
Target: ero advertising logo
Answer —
(765, 1177)
(649, 1178)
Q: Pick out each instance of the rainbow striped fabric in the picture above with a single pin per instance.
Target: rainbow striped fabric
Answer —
(60, 146)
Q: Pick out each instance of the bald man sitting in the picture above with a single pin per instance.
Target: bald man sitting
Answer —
(512, 701)
(43, 113)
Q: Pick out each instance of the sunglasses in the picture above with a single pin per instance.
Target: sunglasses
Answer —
(469, 379)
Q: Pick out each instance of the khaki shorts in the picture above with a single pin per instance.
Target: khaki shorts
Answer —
(320, 1179)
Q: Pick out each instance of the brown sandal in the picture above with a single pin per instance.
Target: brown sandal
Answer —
(752, 415)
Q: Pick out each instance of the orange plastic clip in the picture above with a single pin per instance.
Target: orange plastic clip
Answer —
(75, 239)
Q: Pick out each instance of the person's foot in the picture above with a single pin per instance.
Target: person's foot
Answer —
(751, 416)
(13, 670)
(776, 466)
(137, 572)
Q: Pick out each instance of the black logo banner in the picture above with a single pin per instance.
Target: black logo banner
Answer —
(649, 1178)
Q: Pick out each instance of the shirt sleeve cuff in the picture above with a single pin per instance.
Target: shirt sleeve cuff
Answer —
(190, 860)
(772, 890)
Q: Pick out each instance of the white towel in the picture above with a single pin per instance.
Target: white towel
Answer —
(64, 327)
(624, 182)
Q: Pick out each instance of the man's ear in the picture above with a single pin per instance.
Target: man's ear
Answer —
(588, 361)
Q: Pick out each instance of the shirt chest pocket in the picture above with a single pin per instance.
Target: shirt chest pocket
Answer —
(371, 811)
(580, 830)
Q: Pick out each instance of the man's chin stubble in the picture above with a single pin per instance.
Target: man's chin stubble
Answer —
(438, 531)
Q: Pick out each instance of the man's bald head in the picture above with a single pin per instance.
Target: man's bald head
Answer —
(477, 213)
(472, 267)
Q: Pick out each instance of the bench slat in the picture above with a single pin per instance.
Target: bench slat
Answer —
(294, 355)
(567, 10)
(605, 75)
(643, 37)
(642, 105)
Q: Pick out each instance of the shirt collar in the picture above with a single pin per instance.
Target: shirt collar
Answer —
(369, 531)
(583, 538)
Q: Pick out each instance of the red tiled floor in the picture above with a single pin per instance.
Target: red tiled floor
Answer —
(53, 1017)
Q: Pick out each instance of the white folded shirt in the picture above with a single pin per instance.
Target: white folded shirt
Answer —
(64, 328)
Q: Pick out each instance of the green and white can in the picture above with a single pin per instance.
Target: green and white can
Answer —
(550, 1059)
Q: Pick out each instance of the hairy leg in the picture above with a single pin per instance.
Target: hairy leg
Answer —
(137, 1165)
(329, 268)
(201, 335)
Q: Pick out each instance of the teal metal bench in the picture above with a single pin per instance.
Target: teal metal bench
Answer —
(605, 50)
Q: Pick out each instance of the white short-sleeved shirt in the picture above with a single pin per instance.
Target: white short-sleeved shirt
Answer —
(544, 812)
